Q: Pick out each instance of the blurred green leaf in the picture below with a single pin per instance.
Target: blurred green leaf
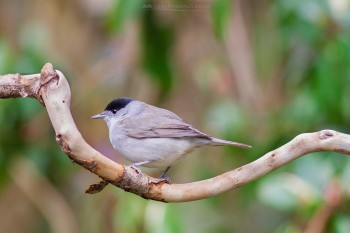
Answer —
(309, 168)
(341, 224)
(221, 12)
(121, 12)
(6, 57)
(130, 212)
(288, 228)
(227, 118)
(157, 40)
(289, 192)
(274, 192)
(172, 220)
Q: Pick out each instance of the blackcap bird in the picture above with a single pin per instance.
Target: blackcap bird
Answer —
(152, 137)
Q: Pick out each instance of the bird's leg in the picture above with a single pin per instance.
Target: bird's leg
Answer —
(136, 165)
(140, 163)
(163, 177)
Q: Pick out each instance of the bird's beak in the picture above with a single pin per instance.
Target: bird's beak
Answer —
(99, 116)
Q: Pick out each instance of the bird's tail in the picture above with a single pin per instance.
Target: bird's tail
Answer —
(220, 142)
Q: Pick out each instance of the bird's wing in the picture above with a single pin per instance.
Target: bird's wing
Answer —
(159, 123)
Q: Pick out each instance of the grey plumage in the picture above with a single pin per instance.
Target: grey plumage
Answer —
(152, 136)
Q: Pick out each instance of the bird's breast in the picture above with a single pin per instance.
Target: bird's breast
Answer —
(162, 152)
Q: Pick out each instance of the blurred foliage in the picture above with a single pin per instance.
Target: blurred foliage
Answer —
(156, 58)
(221, 12)
(175, 54)
(120, 13)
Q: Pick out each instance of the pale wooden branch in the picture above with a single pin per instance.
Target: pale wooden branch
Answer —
(51, 88)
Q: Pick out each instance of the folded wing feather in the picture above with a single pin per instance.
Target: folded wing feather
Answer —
(159, 124)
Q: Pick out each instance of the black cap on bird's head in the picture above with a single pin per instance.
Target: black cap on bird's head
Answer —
(118, 104)
(114, 106)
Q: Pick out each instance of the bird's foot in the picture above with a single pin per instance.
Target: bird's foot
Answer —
(165, 178)
(136, 168)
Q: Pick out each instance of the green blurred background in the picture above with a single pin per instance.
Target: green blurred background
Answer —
(257, 72)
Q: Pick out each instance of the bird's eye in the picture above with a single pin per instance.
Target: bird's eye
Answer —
(114, 111)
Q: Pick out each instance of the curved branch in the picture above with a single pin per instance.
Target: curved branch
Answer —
(52, 89)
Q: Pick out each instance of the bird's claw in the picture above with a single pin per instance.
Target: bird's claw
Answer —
(136, 168)
(165, 179)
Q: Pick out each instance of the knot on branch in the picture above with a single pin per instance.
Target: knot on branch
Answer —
(135, 182)
(325, 134)
(47, 75)
(63, 144)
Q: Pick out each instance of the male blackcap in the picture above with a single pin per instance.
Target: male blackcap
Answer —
(151, 136)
